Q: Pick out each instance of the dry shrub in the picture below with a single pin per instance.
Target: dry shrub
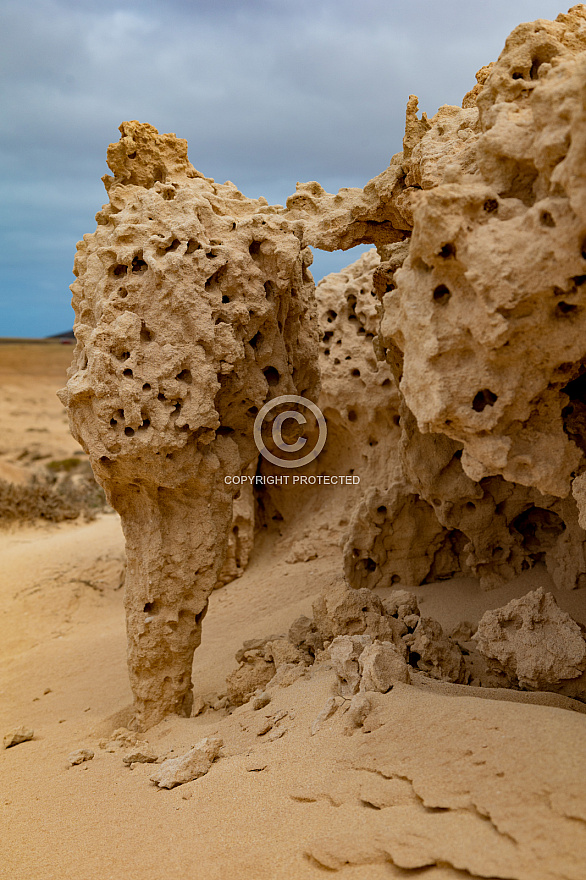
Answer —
(56, 494)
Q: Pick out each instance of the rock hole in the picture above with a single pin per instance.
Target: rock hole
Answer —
(470, 505)
(120, 269)
(441, 294)
(132, 155)
(138, 264)
(517, 74)
(129, 432)
(225, 299)
(370, 564)
(146, 386)
(396, 420)
(161, 397)
(448, 250)
(185, 376)
(253, 410)
(256, 339)
(546, 219)
(113, 422)
(150, 608)
(105, 460)
(173, 246)
(382, 509)
(458, 454)
(254, 249)
(122, 293)
(128, 373)
(145, 423)
(490, 206)
(564, 308)
(385, 383)
(484, 398)
(352, 415)
(272, 376)
(355, 372)
(224, 431)
(192, 246)
(332, 315)
(146, 335)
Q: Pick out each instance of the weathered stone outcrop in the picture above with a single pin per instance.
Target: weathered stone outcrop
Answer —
(193, 307)
(534, 642)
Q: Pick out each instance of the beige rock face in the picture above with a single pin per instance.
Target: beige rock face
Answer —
(193, 307)
(453, 362)
(497, 265)
(533, 641)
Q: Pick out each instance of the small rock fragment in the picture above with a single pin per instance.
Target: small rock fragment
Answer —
(401, 603)
(140, 756)
(344, 653)
(439, 656)
(254, 673)
(17, 736)
(281, 651)
(380, 666)
(358, 711)
(265, 726)
(193, 764)
(327, 712)
(80, 756)
(199, 705)
(260, 701)
(276, 733)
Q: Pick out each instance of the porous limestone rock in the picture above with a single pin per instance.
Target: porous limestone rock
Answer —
(193, 307)
(343, 611)
(193, 764)
(533, 641)
(80, 756)
(497, 265)
(359, 400)
(380, 666)
(435, 653)
(17, 736)
(344, 653)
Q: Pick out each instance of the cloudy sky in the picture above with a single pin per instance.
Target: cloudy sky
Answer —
(267, 92)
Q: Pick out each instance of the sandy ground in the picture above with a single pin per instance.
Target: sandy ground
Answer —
(430, 787)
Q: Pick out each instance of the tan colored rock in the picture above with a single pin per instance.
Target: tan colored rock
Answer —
(193, 306)
(533, 641)
(344, 653)
(193, 764)
(142, 755)
(437, 654)
(80, 756)
(496, 264)
(380, 666)
(281, 651)
(249, 677)
(17, 736)
(342, 611)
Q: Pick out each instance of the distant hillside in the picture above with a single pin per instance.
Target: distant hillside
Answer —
(67, 335)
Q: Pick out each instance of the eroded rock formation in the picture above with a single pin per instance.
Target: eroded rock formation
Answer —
(456, 357)
(193, 307)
